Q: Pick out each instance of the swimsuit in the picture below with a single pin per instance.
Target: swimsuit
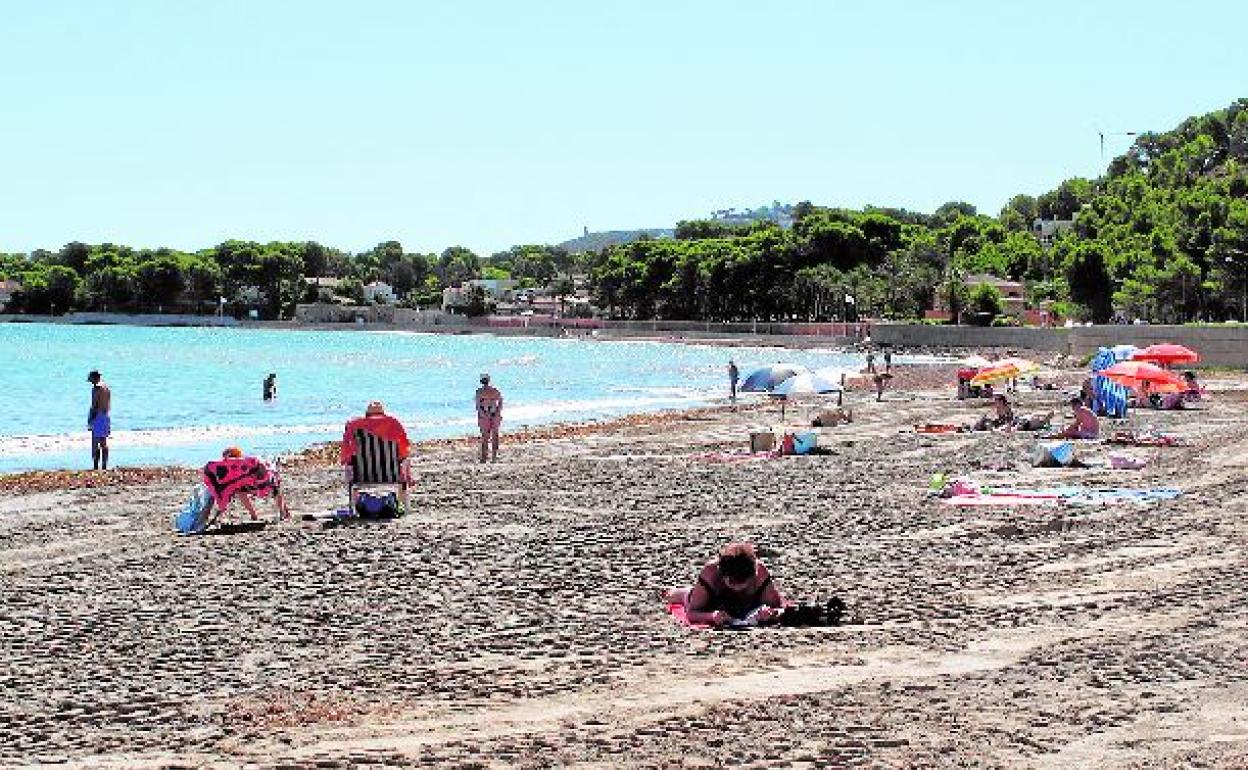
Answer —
(736, 605)
(489, 416)
(100, 426)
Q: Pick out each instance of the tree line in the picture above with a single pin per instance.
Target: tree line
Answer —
(268, 277)
(1161, 236)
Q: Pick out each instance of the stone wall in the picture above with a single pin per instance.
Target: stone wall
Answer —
(1217, 345)
(926, 336)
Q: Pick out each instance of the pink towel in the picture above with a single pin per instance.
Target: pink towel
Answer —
(228, 477)
(677, 610)
(1001, 499)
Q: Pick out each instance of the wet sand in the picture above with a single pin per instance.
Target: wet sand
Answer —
(513, 620)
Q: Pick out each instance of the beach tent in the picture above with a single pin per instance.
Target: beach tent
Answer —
(1108, 397)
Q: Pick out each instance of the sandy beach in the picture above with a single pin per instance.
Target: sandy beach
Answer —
(513, 619)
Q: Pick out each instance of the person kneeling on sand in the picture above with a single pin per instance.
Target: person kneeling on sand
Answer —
(735, 589)
(1084, 425)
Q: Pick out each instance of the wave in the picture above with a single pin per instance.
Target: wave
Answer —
(300, 435)
(20, 446)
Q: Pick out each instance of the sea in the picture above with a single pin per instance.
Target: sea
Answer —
(180, 395)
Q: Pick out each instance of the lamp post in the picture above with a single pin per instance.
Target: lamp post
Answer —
(1243, 289)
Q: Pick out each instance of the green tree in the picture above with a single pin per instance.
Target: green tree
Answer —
(984, 304)
(161, 280)
(1089, 281)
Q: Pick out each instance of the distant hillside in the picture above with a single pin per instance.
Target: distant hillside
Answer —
(598, 241)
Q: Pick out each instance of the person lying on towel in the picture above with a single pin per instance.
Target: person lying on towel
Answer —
(735, 589)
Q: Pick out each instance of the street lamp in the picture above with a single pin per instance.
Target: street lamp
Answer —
(1243, 289)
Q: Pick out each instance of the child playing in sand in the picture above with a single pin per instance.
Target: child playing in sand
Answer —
(733, 588)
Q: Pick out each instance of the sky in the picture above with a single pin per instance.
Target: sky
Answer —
(488, 124)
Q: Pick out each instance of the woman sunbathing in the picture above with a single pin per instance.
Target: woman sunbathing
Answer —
(734, 587)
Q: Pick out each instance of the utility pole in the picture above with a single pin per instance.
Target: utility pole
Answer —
(1102, 135)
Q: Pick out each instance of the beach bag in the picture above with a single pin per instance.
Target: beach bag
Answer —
(804, 443)
(1059, 455)
(370, 506)
(194, 517)
(813, 614)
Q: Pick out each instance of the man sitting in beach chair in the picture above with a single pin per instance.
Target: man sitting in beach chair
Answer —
(375, 453)
(239, 476)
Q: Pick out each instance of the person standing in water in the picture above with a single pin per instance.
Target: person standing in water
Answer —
(270, 386)
(489, 417)
(734, 375)
(98, 420)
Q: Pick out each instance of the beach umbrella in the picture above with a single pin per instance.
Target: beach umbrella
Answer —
(1134, 374)
(807, 383)
(836, 374)
(998, 372)
(1123, 352)
(1023, 365)
(764, 379)
(1167, 353)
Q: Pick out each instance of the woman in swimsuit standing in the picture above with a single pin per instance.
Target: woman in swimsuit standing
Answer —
(733, 587)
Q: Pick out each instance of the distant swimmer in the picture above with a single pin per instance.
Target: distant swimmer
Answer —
(98, 420)
(489, 417)
(270, 387)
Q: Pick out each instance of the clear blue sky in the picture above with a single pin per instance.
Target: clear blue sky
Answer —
(488, 124)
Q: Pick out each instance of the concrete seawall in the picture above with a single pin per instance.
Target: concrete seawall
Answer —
(1217, 345)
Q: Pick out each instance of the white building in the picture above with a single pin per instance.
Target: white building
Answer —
(1045, 230)
(7, 290)
(379, 293)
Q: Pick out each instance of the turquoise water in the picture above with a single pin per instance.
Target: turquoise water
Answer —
(181, 394)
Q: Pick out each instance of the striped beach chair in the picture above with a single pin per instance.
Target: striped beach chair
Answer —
(376, 463)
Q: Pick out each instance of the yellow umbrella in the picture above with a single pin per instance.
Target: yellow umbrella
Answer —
(1024, 366)
(998, 372)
